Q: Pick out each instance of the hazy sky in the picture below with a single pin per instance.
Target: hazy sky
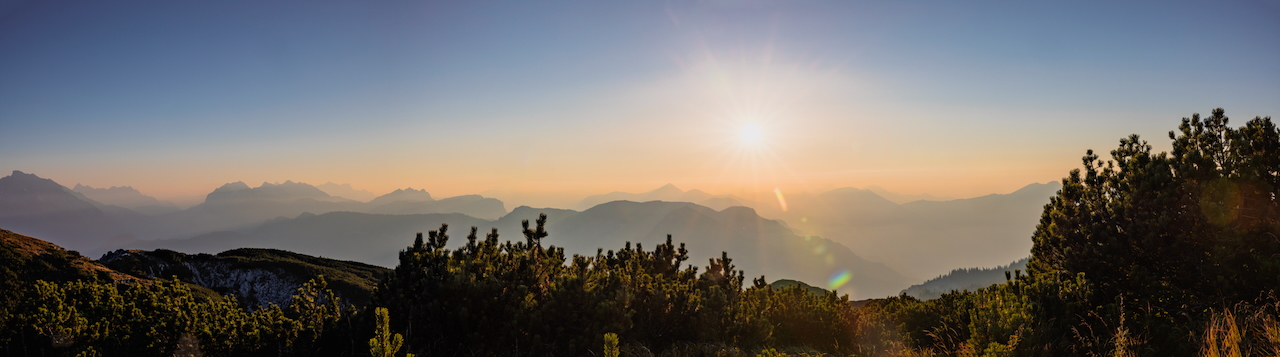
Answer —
(954, 98)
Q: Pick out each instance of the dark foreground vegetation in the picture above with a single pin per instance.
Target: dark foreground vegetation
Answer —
(1168, 254)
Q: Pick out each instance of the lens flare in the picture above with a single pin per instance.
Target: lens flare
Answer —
(781, 201)
(839, 279)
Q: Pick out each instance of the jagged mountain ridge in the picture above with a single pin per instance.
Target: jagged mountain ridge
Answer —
(37, 206)
(127, 197)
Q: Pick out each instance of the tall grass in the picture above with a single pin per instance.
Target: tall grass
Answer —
(1243, 330)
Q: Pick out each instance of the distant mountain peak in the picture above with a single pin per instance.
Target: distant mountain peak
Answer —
(34, 205)
(80, 188)
(668, 188)
(404, 194)
(739, 211)
(286, 183)
(286, 190)
(29, 182)
(234, 186)
(1036, 185)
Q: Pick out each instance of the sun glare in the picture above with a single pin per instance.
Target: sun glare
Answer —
(750, 133)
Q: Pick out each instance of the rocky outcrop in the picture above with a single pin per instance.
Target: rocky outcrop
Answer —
(251, 286)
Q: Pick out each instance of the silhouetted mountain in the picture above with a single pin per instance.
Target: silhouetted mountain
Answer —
(923, 238)
(240, 208)
(40, 207)
(668, 193)
(965, 280)
(127, 197)
(346, 191)
(237, 207)
(402, 195)
(363, 237)
(902, 198)
(554, 215)
(288, 190)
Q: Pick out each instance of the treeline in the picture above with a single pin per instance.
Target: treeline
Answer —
(487, 298)
(164, 318)
(1168, 254)
(492, 298)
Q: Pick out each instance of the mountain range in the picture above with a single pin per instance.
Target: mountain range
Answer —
(921, 238)
(918, 235)
(127, 197)
(36, 206)
(757, 245)
(822, 239)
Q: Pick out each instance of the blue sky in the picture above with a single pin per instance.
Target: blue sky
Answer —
(950, 98)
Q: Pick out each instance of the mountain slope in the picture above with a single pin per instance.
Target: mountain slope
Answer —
(40, 207)
(240, 208)
(254, 276)
(32, 258)
(964, 280)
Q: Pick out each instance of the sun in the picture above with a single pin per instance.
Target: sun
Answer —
(750, 134)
